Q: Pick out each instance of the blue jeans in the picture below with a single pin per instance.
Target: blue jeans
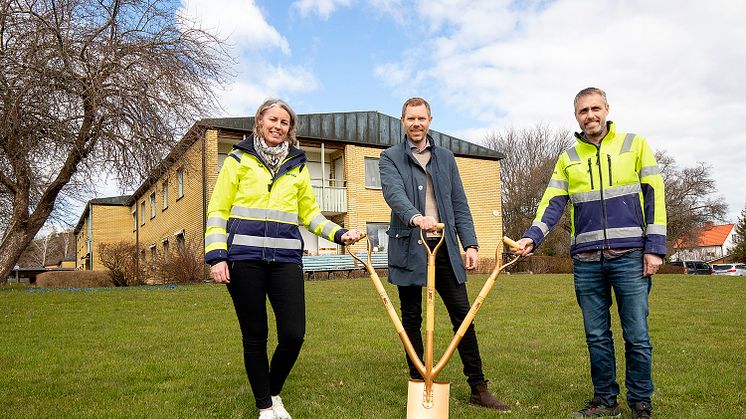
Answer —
(593, 284)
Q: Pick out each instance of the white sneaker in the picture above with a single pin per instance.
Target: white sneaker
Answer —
(266, 414)
(279, 408)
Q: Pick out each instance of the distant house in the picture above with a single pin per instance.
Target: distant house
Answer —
(343, 149)
(711, 243)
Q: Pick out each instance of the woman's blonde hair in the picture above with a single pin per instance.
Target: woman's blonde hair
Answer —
(269, 103)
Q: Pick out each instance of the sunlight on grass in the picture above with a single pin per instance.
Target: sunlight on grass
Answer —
(175, 351)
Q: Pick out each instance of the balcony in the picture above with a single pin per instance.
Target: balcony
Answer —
(331, 196)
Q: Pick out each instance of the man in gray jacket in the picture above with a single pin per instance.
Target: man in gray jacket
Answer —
(421, 184)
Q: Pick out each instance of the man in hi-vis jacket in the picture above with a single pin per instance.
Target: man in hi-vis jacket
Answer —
(617, 208)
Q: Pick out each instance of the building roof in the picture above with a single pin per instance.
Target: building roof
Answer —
(709, 235)
(369, 128)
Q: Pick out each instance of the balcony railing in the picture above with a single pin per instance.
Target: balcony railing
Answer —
(331, 199)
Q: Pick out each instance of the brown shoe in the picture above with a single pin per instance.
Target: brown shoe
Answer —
(480, 396)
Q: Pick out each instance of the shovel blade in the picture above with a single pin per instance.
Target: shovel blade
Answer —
(419, 408)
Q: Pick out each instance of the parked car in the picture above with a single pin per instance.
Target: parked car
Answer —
(694, 267)
(732, 269)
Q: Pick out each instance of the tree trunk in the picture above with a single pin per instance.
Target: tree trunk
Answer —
(13, 244)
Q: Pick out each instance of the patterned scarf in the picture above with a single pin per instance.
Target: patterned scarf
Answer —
(272, 156)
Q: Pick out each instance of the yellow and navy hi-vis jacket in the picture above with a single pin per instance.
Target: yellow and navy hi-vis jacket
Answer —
(255, 216)
(615, 192)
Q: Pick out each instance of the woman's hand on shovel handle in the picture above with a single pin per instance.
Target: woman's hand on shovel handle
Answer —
(352, 236)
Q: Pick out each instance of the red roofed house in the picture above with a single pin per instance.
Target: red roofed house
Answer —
(711, 243)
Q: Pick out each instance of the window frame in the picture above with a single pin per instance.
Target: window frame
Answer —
(366, 160)
(180, 184)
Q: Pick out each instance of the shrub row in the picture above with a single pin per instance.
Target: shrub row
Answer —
(74, 279)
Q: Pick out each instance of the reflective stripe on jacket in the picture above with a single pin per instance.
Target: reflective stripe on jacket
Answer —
(615, 192)
(253, 215)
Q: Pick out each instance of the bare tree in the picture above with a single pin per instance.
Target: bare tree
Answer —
(44, 247)
(92, 87)
(690, 198)
(530, 157)
(738, 251)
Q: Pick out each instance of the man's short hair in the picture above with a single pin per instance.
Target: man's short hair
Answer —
(415, 101)
(589, 91)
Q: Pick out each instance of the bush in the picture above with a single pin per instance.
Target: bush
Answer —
(121, 260)
(184, 265)
(74, 279)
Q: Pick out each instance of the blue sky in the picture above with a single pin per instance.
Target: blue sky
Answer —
(673, 70)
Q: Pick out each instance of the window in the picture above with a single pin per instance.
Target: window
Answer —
(165, 194)
(153, 256)
(152, 205)
(165, 250)
(372, 176)
(180, 244)
(180, 188)
(142, 213)
(134, 219)
(376, 232)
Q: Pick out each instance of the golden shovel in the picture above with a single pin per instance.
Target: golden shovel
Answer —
(428, 399)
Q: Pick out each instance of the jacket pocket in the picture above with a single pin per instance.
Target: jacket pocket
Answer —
(398, 246)
(232, 228)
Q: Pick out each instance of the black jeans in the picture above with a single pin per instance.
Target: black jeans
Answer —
(251, 283)
(456, 300)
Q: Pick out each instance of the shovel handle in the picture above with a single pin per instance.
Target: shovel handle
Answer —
(511, 243)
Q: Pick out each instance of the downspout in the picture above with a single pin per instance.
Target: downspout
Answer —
(204, 198)
(90, 236)
(137, 241)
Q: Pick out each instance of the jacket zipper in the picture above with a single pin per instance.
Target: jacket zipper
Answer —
(590, 171)
(601, 191)
(266, 221)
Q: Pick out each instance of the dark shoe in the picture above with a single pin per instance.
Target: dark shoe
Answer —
(480, 396)
(596, 409)
(642, 410)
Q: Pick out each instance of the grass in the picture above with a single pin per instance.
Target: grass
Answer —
(164, 352)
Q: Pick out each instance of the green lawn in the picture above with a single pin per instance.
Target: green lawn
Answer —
(175, 352)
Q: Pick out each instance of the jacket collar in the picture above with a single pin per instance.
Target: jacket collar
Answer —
(610, 133)
(295, 157)
(410, 145)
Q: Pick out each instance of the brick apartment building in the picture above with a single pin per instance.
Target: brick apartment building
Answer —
(168, 209)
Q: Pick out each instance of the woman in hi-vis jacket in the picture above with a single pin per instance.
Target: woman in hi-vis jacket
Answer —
(254, 245)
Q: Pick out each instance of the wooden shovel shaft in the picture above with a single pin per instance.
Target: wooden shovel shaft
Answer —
(430, 315)
(475, 307)
(408, 347)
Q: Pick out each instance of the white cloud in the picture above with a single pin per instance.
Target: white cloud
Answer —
(323, 8)
(265, 80)
(672, 73)
(253, 41)
(239, 21)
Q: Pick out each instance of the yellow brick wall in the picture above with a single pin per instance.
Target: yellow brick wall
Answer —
(111, 224)
(183, 213)
(481, 180)
(364, 205)
(81, 245)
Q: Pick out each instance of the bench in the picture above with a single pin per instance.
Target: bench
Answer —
(340, 263)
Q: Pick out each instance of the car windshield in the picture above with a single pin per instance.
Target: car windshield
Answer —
(722, 267)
